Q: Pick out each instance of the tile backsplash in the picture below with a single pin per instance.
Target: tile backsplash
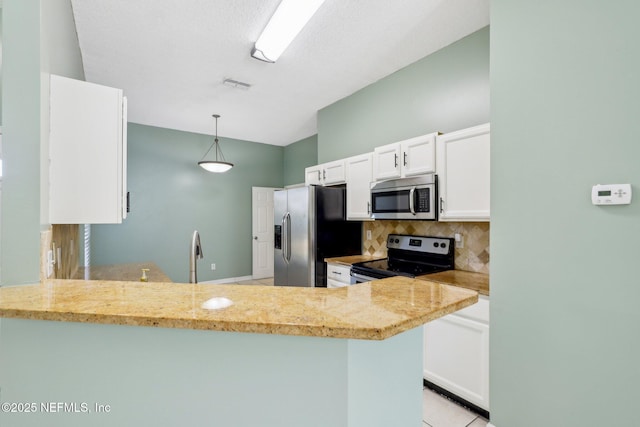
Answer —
(63, 240)
(474, 256)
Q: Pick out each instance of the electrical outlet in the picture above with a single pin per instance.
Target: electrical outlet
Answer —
(213, 266)
(50, 262)
(459, 238)
(368, 234)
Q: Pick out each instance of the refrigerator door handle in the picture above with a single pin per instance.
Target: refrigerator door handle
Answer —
(288, 238)
(284, 237)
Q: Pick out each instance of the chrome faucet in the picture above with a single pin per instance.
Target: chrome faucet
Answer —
(194, 254)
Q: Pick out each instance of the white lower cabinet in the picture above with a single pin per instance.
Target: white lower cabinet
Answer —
(338, 275)
(456, 353)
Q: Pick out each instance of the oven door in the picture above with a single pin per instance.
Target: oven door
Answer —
(361, 278)
(409, 198)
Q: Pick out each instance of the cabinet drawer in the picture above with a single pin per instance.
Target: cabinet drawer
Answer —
(339, 272)
(336, 284)
(478, 312)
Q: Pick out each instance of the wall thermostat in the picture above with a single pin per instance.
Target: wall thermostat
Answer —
(611, 194)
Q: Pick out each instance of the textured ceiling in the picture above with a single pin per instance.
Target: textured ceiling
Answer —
(171, 57)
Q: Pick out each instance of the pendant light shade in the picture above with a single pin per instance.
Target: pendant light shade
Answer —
(218, 165)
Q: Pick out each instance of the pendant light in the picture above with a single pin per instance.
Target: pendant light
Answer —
(218, 165)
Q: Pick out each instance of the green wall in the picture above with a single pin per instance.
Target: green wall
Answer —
(37, 38)
(445, 91)
(171, 197)
(21, 142)
(564, 279)
(297, 157)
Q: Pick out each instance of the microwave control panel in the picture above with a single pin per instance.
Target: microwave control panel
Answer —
(611, 194)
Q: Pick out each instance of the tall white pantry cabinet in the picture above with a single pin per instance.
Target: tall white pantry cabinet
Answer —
(87, 153)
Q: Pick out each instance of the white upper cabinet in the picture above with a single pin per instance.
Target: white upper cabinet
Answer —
(87, 153)
(313, 175)
(415, 156)
(463, 168)
(331, 173)
(359, 176)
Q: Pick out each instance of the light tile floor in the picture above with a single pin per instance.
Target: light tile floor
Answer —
(437, 411)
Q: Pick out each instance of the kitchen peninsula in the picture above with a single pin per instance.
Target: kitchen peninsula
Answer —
(277, 356)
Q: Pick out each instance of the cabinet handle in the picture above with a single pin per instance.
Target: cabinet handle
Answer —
(441, 205)
(368, 208)
(337, 272)
(405, 158)
(324, 174)
(319, 176)
(395, 160)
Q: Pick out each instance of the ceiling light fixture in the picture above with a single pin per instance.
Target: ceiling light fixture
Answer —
(285, 24)
(236, 84)
(217, 166)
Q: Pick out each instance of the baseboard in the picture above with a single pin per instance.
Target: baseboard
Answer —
(490, 425)
(227, 280)
(446, 393)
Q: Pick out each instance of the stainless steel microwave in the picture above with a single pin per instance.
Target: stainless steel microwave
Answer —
(405, 198)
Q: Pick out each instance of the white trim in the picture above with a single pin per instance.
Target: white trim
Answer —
(490, 425)
(302, 184)
(227, 280)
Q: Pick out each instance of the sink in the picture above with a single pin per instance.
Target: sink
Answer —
(216, 303)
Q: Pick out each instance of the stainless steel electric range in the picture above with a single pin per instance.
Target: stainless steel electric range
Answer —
(409, 256)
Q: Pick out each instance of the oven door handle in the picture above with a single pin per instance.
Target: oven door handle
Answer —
(412, 208)
(359, 278)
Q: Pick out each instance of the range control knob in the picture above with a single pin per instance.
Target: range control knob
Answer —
(435, 244)
(443, 245)
(397, 240)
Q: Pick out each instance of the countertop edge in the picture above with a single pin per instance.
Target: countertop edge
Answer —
(128, 316)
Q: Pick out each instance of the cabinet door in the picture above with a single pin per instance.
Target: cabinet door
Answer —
(87, 153)
(386, 162)
(313, 175)
(359, 176)
(333, 173)
(339, 273)
(335, 284)
(463, 168)
(456, 357)
(419, 155)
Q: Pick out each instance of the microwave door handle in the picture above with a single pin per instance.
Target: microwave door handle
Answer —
(412, 208)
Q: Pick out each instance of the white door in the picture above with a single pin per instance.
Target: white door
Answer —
(262, 224)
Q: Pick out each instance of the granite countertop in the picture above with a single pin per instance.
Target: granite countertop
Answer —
(478, 282)
(352, 259)
(374, 311)
(129, 272)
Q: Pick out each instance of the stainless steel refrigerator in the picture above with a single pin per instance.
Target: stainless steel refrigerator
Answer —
(310, 225)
